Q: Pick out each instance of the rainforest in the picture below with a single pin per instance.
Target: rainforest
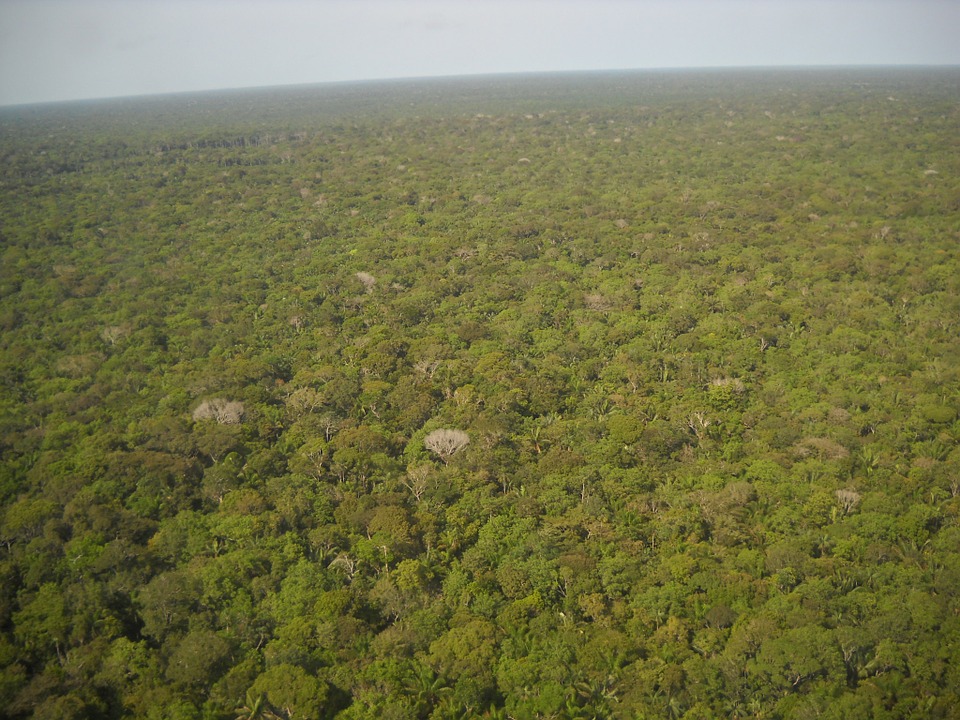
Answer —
(593, 395)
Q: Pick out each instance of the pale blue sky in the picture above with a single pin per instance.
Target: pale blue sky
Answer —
(71, 49)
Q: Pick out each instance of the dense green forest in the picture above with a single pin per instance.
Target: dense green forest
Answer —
(623, 395)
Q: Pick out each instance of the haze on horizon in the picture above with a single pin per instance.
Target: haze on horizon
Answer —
(57, 50)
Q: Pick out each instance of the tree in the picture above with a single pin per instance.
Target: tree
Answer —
(225, 412)
(367, 280)
(798, 656)
(446, 443)
(848, 499)
(256, 708)
(44, 622)
(292, 692)
(198, 659)
(168, 602)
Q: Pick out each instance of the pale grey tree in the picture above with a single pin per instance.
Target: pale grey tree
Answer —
(446, 442)
(225, 412)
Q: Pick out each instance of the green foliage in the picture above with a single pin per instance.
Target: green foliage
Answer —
(691, 338)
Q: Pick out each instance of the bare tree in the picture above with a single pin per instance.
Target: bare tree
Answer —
(304, 400)
(446, 443)
(367, 280)
(345, 563)
(225, 412)
(848, 499)
(112, 334)
(698, 423)
(417, 480)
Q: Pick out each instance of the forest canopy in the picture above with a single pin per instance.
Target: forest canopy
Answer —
(605, 395)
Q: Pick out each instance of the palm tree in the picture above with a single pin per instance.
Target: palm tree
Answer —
(429, 687)
(257, 708)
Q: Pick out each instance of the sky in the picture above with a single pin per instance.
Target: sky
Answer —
(55, 50)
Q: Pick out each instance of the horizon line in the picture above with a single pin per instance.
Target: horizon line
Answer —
(476, 75)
